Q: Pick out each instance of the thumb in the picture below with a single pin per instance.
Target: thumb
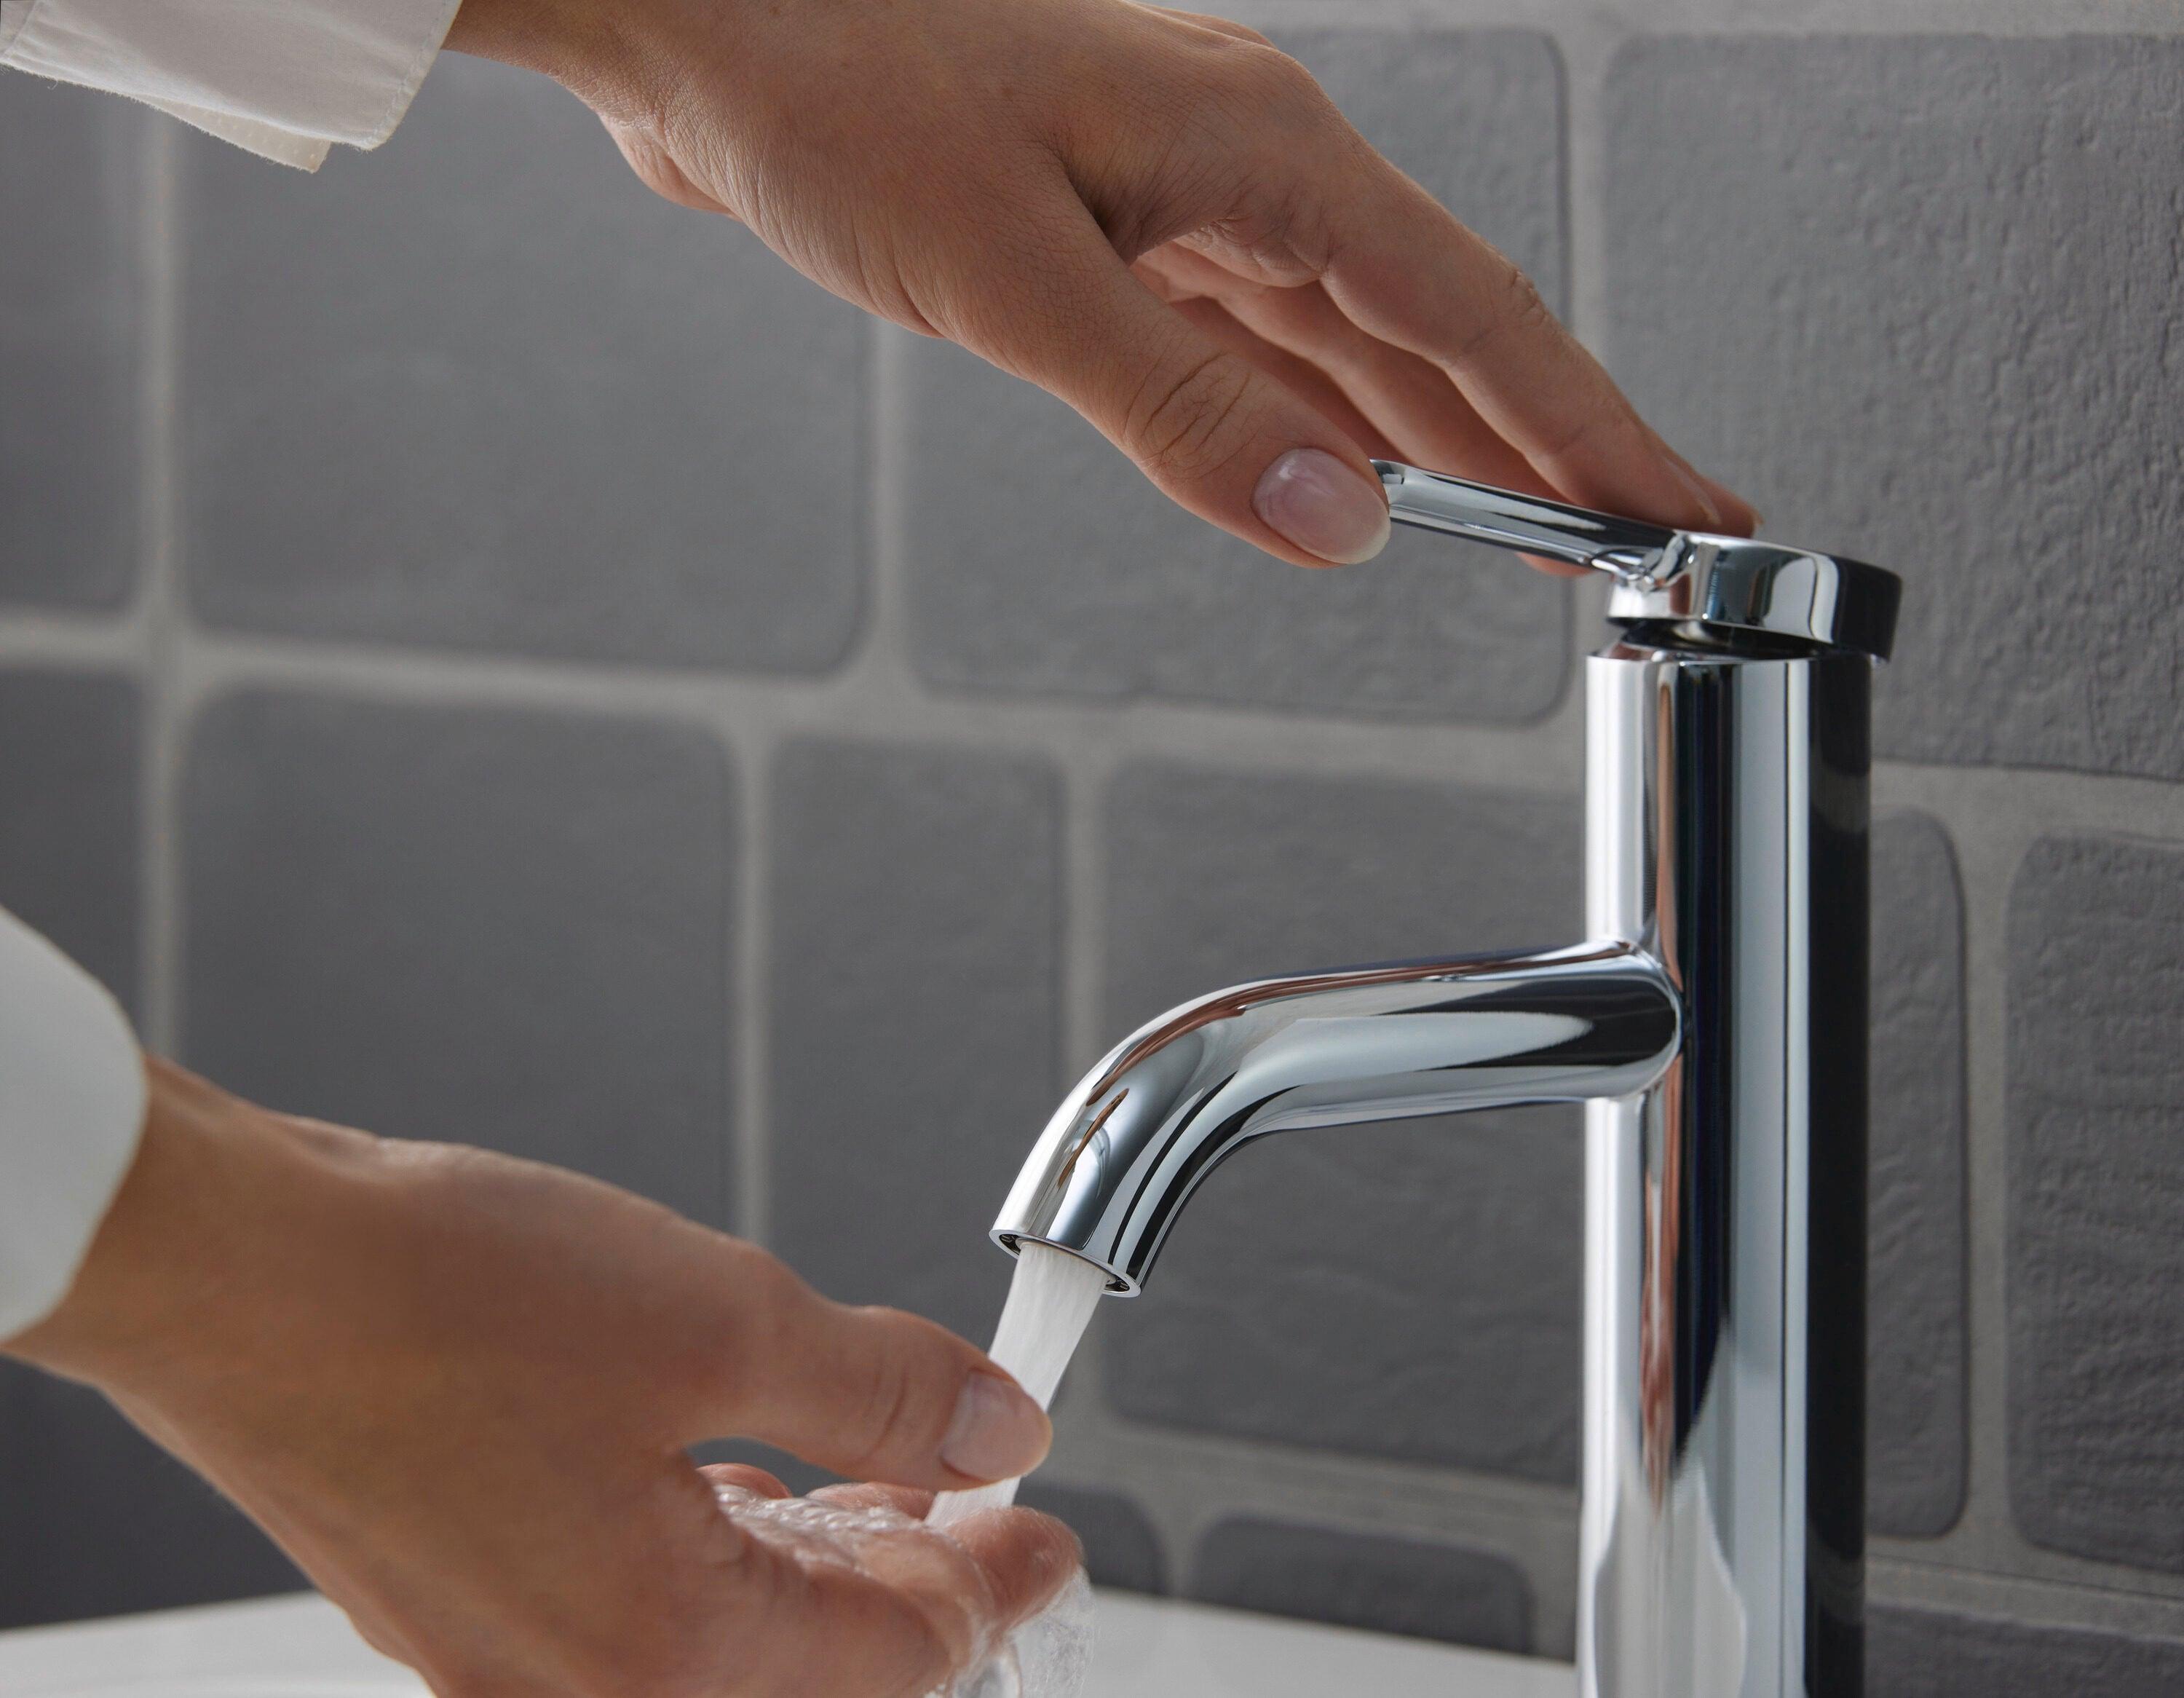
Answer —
(874, 1394)
(1219, 435)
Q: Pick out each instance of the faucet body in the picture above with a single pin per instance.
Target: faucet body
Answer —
(1714, 1024)
(1722, 1533)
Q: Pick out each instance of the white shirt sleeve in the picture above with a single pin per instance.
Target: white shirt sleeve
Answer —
(284, 78)
(71, 1109)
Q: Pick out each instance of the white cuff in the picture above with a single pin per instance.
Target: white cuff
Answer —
(283, 78)
(72, 1100)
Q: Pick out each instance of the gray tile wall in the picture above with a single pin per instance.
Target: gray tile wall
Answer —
(499, 928)
(71, 199)
(915, 912)
(1943, 273)
(1916, 1276)
(430, 694)
(2096, 1263)
(1365, 1580)
(1930, 1653)
(493, 316)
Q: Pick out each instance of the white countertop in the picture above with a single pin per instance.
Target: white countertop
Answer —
(302, 1647)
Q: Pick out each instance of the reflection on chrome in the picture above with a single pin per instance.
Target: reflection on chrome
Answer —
(1134, 1140)
(1715, 1027)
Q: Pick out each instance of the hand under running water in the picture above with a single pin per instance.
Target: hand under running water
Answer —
(1154, 215)
(457, 1389)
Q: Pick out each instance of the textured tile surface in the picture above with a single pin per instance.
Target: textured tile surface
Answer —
(1474, 115)
(1070, 575)
(1928, 1654)
(916, 917)
(1121, 1549)
(483, 389)
(1915, 1282)
(500, 929)
(69, 200)
(1935, 330)
(1409, 1290)
(68, 781)
(1365, 1580)
(2096, 1192)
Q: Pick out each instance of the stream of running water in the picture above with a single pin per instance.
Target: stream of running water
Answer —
(1051, 1303)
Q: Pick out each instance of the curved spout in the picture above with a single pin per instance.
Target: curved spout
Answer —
(1134, 1140)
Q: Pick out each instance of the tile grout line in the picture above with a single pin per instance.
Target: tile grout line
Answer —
(1986, 867)
(1082, 1415)
(1791, 20)
(749, 964)
(159, 604)
(1987, 860)
(1260, 739)
(1585, 52)
(1502, 757)
(1913, 1583)
(1087, 779)
(1186, 1483)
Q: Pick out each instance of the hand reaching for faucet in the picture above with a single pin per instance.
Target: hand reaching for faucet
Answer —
(1154, 215)
(457, 1389)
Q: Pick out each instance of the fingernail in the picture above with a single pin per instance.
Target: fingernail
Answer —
(1735, 509)
(1733, 505)
(997, 1433)
(1322, 506)
(1689, 480)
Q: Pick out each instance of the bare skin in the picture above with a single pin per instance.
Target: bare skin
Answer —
(457, 1389)
(1154, 215)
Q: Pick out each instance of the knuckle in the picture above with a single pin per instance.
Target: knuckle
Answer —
(1276, 77)
(759, 1301)
(1221, 26)
(1180, 426)
(895, 1401)
(1527, 309)
(1514, 307)
(727, 1340)
(1247, 89)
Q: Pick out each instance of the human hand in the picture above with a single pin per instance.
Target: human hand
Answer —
(457, 1389)
(888, 1533)
(1154, 215)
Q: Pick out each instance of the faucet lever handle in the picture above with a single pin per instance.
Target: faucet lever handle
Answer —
(1724, 587)
(1627, 548)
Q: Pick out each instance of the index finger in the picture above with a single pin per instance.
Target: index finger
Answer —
(1404, 269)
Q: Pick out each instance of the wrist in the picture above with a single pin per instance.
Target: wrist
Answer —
(181, 1247)
(592, 47)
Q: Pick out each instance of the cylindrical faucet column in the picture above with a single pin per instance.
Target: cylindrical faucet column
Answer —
(1722, 1539)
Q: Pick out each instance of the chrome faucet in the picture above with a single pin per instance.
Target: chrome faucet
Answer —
(1715, 1028)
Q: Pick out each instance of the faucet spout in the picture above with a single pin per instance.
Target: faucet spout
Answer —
(1143, 1129)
